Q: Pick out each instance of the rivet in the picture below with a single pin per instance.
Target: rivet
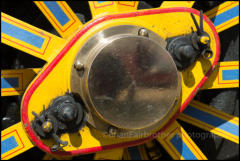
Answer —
(79, 66)
(143, 32)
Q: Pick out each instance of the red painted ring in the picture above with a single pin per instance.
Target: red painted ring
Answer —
(44, 74)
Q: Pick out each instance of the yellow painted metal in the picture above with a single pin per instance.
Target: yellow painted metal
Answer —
(23, 77)
(50, 46)
(100, 8)
(170, 4)
(113, 154)
(204, 40)
(179, 152)
(153, 150)
(223, 8)
(211, 111)
(135, 153)
(66, 28)
(216, 78)
(17, 139)
(127, 6)
(57, 83)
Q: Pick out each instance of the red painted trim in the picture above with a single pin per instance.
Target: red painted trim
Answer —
(215, 111)
(217, 28)
(50, 67)
(222, 9)
(49, 38)
(228, 80)
(60, 28)
(168, 143)
(184, 136)
(19, 139)
(207, 125)
(191, 145)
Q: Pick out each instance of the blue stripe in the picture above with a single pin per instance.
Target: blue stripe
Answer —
(21, 34)
(134, 153)
(101, 1)
(9, 83)
(8, 144)
(225, 16)
(232, 74)
(182, 148)
(57, 12)
(212, 120)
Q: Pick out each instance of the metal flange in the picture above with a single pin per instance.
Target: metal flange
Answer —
(130, 80)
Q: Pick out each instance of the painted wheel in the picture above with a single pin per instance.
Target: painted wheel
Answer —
(206, 126)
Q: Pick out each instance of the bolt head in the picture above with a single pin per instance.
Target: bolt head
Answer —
(79, 66)
(47, 126)
(69, 113)
(112, 130)
(143, 32)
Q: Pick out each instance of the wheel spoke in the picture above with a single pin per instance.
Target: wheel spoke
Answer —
(225, 15)
(225, 75)
(153, 150)
(113, 154)
(213, 120)
(28, 38)
(100, 8)
(169, 4)
(15, 81)
(178, 144)
(14, 141)
(135, 153)
(61, 16)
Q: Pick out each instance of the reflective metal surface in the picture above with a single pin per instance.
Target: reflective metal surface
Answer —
(129, 81)
(132, 82)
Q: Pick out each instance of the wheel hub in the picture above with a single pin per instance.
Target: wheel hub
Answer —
(129, 80)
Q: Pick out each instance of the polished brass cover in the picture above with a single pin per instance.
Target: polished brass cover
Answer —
(129, 81)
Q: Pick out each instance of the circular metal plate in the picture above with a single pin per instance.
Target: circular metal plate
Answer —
(132, 82)
(128, 81)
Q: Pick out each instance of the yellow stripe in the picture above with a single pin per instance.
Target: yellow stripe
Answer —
(207, 127)
(170, 4)
(127, 6)
(21, 138)
(103, 8)
(142, 152)
(50, 47)
(70, 27)
(215, 79)
(169, 133)
(113, 154)
(220, 9)
(25, 76)
(153, 150)
(110, 7)
(126, 155)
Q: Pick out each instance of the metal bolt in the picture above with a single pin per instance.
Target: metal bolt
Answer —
(204, 39)
(79, 66)
(47, 126)
(112, 130)
(143, 32)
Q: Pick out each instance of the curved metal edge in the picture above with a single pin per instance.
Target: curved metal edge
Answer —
(49, 68)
